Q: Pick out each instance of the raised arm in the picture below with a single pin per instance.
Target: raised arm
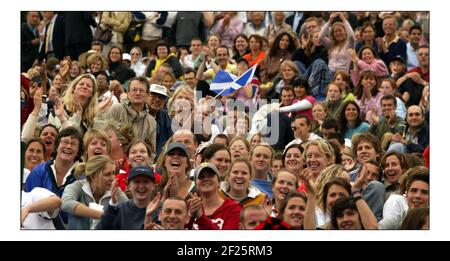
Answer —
(368, 219)
(309, 221)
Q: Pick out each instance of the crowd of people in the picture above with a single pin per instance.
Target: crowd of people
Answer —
(120, 128)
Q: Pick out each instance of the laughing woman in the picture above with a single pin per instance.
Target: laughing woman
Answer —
(237, 184)
(292, 210)
(34, 155)
(175, 168)
(96, 143)
(283, 183)
(209, 211)
(85, 200)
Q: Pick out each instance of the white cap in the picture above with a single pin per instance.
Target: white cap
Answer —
(156, 88)
(126, 56)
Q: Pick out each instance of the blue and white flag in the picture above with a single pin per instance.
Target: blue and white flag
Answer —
(226, 83)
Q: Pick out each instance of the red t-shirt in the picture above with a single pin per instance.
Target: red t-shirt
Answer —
(224, 218)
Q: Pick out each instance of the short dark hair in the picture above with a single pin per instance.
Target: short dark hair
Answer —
(389, 97)
(189, 70)
(300, 82)
(70, 132)
(140, 79)
(340, 205)
(330, 123)
(415, 27)
(104, 74)
(420, 176)
(303, 116)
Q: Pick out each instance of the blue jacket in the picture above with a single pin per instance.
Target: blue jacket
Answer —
(42, 176)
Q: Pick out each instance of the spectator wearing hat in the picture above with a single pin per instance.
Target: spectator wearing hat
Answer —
(209, 211)
(130, 214)
(397, 66)
(175, 168)
(156, 102)
(126, 59)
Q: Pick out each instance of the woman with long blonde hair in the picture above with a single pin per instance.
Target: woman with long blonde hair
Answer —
(79, 107)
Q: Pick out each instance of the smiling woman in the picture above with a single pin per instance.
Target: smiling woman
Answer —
(86, 199)
(78, 107)
(237, 184)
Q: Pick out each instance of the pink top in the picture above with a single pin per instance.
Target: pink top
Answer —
(307, 112)
(377, 66)
(372, 103)
(338, 58)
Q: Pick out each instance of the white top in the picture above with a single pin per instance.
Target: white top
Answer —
(394, 212)
(321, 217)
(38, 220)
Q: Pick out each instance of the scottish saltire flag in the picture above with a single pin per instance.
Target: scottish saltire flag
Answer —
(225, 83)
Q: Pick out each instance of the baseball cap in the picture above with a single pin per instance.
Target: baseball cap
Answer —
(398, 58)
(126, 56)
(156, 88)
(141, 170)
(206, 166)
(177, 146)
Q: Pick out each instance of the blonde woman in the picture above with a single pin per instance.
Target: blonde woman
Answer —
(78, 107)
(337, 37)
(96, 143)
(85, 200)
(96, 63)
(180, 107)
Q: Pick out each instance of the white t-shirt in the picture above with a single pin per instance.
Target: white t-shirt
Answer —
(38, 220)
(394, 212)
